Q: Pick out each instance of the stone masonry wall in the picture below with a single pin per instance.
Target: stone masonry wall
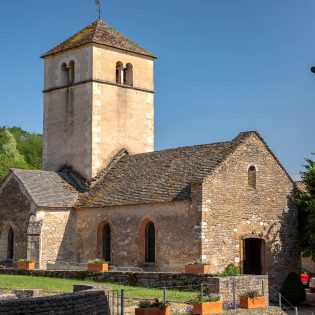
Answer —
(233, 211)
(67, 138)
(176, 242)
(122, 116)
(90, 301)
(58, 236)
(15, 210)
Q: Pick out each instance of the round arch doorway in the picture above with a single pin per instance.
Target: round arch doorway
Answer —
(254, 256)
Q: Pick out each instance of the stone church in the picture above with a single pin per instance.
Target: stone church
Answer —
(104, 192)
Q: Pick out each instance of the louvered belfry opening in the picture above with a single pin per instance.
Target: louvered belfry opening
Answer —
(150, 243)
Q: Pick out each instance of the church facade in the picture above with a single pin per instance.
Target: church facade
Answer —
(105, 193)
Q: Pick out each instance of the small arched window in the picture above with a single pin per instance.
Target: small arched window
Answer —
(10, 244)
(64, 74)
(128, 75)
(67, 73)
(119, 72)
(150, 243)
(252, 177)
(106, 250)
(71, 72)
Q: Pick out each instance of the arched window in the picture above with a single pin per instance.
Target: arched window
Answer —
(150, 243)
(106, 250)
(71, 72)
(128, 75)
(67, 73)
(252, 177)
(119, 72)
(10, 244)
(64, 74)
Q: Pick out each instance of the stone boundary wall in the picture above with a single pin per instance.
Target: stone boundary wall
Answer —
(271, 310)
(84, 300)
(228, 287)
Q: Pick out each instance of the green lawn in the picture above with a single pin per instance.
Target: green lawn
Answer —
(56, 285)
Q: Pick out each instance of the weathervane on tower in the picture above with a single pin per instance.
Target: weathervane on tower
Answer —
(98, 3)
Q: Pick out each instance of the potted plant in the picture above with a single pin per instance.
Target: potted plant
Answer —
(210, 304)
(154, 307)
(25, 264)
(197, 267)
(97, 265)
(252, 299)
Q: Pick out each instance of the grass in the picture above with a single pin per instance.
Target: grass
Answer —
(57, 285)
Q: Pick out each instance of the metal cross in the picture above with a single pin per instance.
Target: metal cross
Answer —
(98, 3)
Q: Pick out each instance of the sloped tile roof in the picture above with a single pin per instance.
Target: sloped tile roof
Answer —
(158, 176)
(99, 33)
(47, 189)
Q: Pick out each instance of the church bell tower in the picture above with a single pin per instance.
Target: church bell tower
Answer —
(98, 100)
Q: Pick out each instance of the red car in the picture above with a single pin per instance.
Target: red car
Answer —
(306, 277)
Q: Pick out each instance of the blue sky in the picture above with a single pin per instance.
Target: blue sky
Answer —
(224, 66)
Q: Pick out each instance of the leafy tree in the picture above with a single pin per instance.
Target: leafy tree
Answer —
(293, 290)
(29, 145)
(9, 154)
(306, 203)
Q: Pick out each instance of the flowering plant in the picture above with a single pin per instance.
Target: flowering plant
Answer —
(96, 261)
(153, 303)
(189, 309)
(207, 298)
(250, 294)
(25, 261)
(198, 262)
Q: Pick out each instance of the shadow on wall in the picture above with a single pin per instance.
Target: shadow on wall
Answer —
(284, 246)
(68, 245)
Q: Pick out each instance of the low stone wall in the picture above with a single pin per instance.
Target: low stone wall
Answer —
(271, 310)
(84, 300)
(229, 287)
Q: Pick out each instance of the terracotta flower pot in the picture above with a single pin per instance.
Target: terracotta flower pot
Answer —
(197, 269)
(26, 265)
(257, 302)
(204, 308)
(152, 311)
(98, 267)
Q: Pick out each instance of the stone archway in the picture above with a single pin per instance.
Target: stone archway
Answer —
(147, 241)
(7, 242)
(254, 249)
(104, 249)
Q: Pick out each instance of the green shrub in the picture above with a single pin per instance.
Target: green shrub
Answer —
(96, 261)
(292, 289)
(231, 270)
(207, 298)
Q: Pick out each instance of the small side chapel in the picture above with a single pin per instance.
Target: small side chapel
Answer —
(105, 193)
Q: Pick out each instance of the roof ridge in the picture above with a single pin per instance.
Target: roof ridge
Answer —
(97, 22)
(99, 32)
(181, 147)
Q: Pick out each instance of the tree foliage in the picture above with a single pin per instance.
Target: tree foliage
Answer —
(19, 149)
(29, 145)
(306, 203)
